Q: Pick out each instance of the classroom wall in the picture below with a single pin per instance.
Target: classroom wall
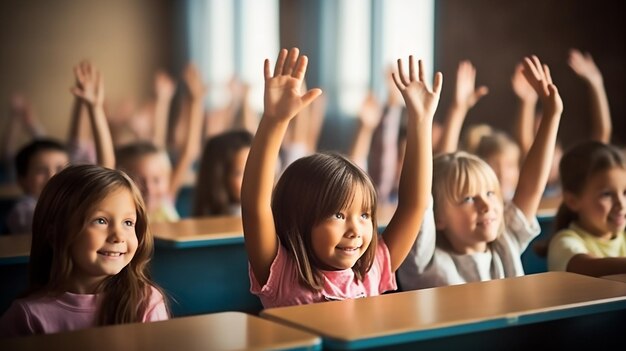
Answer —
(42, 40)
(496, 34)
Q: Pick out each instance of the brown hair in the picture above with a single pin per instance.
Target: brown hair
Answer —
(577, 166)
(61, 213)
(212, 195)
(312, 189)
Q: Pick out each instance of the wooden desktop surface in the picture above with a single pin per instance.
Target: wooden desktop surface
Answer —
(199, 230)
(218, 331)
(416, 315)
(616, 277)
(14, 248)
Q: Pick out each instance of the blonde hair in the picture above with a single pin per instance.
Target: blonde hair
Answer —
(496, 143)
(458, 174)
(310, 190)
(61, 213)
(473, 135)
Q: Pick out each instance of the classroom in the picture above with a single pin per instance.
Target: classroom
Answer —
(312, 174)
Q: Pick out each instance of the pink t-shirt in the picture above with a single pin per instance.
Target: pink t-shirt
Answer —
(283, 287)
(46, 315)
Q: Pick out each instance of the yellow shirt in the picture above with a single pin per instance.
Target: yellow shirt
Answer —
(570, 242)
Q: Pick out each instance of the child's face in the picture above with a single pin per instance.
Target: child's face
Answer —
(601, 205)
(341, 239)
(235, 177)
(472, 222)
(152, 173)
(506, 167)
(41, 168)
(106, 243)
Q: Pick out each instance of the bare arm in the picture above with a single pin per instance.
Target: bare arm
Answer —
(164, 88)
(417, 170)
(526, 104)
(465, 97)
(586, 69)
(536, 167)
(369, 117)
(596, 266)
(90, 89)
(282, 101)
(191, 146)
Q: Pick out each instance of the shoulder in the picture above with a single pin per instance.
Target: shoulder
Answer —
(157, 307)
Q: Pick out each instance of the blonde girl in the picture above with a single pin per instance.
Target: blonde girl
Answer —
(473, 235)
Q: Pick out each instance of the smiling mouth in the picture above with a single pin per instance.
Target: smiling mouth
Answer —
(349, 249)
(111, 253)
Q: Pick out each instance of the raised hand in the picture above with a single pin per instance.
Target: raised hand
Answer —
(522, 89)
(370, 112)
(283, 97)
(419, 98)
(89, 84)
(466, 95)
(193, 80)
(585, 67)
(164, 85)
(538, 76)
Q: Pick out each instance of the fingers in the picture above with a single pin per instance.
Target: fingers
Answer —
(401, 74)
(266, 69)
(397, 81)
(280, 62)
(422, 72)
(292, 58)
(438, 83)
(311, 95)
(411, 68)
(300, 69)
(546, 72)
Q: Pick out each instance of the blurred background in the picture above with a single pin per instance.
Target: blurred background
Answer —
(349, 43)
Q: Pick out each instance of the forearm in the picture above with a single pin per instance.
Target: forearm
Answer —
(258, 179)
(413, 192)
(524, 124)
(601, 126)
(536, 167)
(105, 151)
(597, 267)
(161, 114)
(361, 145)
(191, 147)
(452, 130)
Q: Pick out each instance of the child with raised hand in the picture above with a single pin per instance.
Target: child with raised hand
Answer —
(590, 237)
(472, 234)
(218, 188)
(584, 66)
(150, 165)
(38, 161)
(314, 239)
(466, 95)
(89, 257)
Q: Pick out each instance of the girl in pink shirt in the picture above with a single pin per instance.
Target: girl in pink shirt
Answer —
(88, 262)
(314, 239)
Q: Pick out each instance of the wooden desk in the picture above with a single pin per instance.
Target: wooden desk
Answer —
(198, 232)
(219, 331)
(14, 248)
(14, 256)
(203, 265)
(10, 191)
(436, 318)
(616, 277)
